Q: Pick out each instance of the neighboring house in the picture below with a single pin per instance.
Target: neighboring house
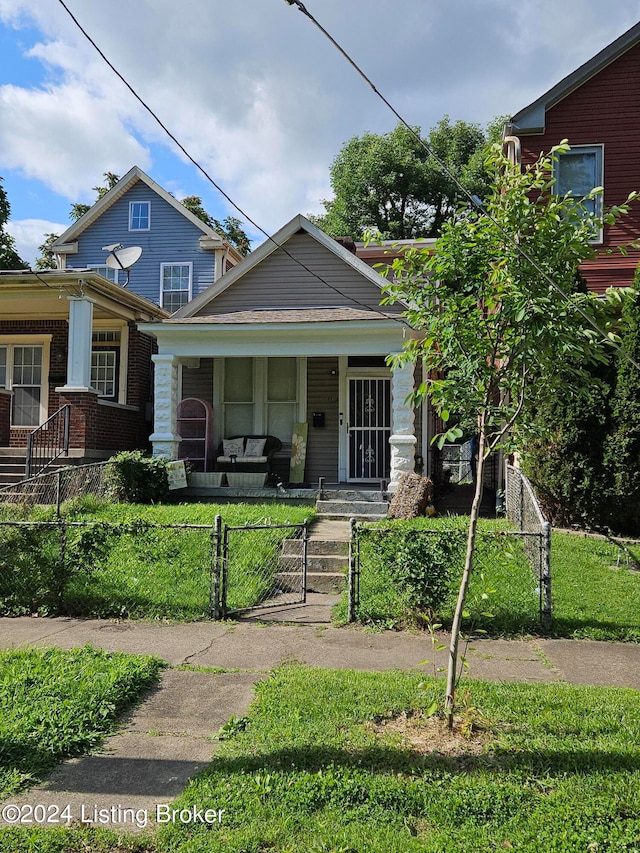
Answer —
(181, 256)
(70, 337)
(598, 110)
(295, 333)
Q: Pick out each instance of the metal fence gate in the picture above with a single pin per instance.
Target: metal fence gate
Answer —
(262, 566)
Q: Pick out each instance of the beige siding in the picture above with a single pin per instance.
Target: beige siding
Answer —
(322, 396)
(280, 282)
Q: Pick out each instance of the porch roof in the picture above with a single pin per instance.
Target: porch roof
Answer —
(287, 315)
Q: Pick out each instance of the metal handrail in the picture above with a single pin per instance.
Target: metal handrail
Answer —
(48, 442)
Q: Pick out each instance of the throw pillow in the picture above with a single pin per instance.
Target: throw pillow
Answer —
(255, 446)
(233, 447)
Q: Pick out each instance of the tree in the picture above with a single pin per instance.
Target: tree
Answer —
(46, 260)
(495, 323)
(228, 228)
(9, 258)
(79, 209)
(389, 183)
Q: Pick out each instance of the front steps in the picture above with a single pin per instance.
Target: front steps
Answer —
(363, 505)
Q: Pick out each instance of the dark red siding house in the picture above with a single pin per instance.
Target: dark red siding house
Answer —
(597, 109)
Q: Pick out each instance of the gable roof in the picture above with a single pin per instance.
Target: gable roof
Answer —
(266, 249)
(125, 183)
(531, 119)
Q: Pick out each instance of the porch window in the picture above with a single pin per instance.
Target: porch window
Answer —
(175, 286)
(282, 397)
(238, 397)
(139, 215)
(579, 171)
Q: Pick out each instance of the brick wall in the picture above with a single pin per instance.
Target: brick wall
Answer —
(94, 425)
(5, 418)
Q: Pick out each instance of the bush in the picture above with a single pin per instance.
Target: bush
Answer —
(136, 478)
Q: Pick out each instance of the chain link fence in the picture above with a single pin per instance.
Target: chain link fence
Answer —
(55, 487)
(398, 576)
(523, 510)
(144, 570)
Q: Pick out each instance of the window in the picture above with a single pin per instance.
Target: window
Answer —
(175, 286)
(579, 171)
(105, 271)
(105, 363)
(139, 215)
(261, 396)
(21, 372)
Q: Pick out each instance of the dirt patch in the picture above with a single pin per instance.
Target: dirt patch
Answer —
(431, 735)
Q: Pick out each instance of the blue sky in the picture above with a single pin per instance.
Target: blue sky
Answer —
(254, 91)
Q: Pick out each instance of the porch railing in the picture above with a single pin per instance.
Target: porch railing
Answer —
(48, 442)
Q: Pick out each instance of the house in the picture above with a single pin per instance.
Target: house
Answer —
(597, 109)
(181, 256)
(295, 334)
(70, 338)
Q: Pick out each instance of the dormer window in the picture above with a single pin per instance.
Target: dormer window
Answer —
(139, 215)
(579, 171)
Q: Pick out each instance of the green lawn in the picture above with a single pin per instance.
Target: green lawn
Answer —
(54, 704)
(134, 570)
(328, 763)
(595, 591)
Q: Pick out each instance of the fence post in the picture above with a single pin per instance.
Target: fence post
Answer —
(216, 567)
(546, 575)
(352, 570)
(58, 494)
(224, 573)
(305, 545)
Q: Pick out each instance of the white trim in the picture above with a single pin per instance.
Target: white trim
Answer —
(123, 376)
(131, 203)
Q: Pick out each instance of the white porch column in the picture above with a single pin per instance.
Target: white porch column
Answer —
(403, 441)
(165, 438)
(79, 349)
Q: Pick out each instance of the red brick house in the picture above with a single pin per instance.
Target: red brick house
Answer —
(597, 109)
(70, 337)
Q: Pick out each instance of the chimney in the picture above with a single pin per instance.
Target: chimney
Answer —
(348, 244)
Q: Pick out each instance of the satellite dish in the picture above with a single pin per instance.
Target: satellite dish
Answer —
(124, 259)
(120, 258)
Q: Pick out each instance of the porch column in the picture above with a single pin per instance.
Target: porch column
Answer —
(165, 438)
(79, 348)
(403, 441)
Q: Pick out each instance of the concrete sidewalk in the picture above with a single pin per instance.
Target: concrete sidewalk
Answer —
(166, 739)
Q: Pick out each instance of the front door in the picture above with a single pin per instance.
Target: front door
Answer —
(369, 429)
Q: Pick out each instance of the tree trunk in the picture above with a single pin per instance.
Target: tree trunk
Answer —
(464, 583)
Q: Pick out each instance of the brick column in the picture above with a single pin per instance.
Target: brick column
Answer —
(5, 417)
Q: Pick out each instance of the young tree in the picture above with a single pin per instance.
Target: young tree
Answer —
(9, 258)
(498, 311)
(391, 184)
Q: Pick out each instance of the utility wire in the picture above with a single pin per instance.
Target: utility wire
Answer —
(442, 166)
(208, 177)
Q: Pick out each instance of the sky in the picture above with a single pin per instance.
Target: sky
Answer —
(255, 92)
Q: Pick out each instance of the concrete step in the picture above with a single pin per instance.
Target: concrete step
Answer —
(352, 509)
(326, 582)
(350, 495)
(316, 547)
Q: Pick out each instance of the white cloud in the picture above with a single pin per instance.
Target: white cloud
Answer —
(260, 97)
(29, 235)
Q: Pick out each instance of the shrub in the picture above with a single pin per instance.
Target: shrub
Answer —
(136, 478)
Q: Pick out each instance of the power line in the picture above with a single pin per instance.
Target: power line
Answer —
(208, 177)
(442, 166)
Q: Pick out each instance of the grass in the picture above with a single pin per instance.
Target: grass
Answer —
(55, 704)
(595, 589)
(136, 571)
(548, 767)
